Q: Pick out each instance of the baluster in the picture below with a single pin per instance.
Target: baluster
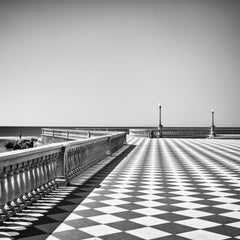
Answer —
(54, 168)
(45, 176)
(17, 202)
(37, 169)
(22, 187)
(49, 173)
(79, 159)
(3, 192)
(32, 170)
(27, 182)
(41, 176)
(10, 191)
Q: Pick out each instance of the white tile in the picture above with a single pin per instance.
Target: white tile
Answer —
(87, 200)
(221, 194)
(234, 214)
(150, 203)
(115, 202)
(118, 195)
(198, 223)
(93, 194)
(105, 219)
(215, 189)
(203, 235)
(99, 230)
(49, 238)
(151, 186)
(63, 227)
(111, 209)
(80, 208)
(73, 216)
(229, 206)
(234, 224)
(186, 198)
(184, 193)
(225, 199)
(193, 213)
(149, 221)
(148, 233)
(189, 205)
(121, 190)
(151, 191)
(150, 197)
(149, 211)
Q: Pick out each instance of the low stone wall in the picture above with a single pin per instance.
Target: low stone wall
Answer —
(140, 132)
(171, 132)
(26, 175)
(62, 135)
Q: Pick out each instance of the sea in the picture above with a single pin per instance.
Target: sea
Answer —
(15, 131)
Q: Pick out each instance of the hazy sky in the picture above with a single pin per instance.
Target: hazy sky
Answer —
(109, 63)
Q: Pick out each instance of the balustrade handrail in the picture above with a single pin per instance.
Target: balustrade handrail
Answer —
(75, 133)
(29, 174)
(19, 156)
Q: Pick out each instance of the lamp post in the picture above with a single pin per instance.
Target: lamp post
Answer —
(160, 126)
(212, 128)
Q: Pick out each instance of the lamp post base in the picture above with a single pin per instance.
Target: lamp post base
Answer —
(160, 131)
(212, 132)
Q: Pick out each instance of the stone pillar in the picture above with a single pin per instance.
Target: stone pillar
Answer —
(160, 126)
(61, 168)
(212, 128)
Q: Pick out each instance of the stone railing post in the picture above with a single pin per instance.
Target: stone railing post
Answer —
(61, 168)
(67, 134)
(109, 152)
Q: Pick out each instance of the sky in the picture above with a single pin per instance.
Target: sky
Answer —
(110, 62)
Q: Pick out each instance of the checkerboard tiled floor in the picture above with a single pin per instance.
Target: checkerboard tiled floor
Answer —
(163, 189)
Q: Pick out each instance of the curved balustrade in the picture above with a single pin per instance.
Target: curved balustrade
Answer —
(27, 175)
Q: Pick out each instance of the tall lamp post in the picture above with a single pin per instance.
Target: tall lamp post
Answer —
(160, 126)
(212, 129)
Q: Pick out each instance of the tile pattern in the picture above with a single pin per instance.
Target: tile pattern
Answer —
(162, 189)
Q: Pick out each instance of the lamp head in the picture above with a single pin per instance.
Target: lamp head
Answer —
(212, 110)
(159, 104)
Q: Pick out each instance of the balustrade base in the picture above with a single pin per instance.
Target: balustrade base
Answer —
(61, 181)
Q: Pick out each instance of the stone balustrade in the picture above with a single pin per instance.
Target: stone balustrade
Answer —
(61, 135)
(188, 132)
(140, 132)
(27, 175)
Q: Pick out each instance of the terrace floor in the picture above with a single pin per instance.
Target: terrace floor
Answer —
(156, 189)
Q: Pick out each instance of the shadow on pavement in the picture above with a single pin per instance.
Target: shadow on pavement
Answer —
(69, 198)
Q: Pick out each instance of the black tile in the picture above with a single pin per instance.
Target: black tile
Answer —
(125, 225)
(80, 223)
(120, 236)
(72, 235)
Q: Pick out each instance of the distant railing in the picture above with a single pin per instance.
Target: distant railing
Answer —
(71, 134)
(171, 132)
(27, 175)
(140, 132)
(186, 132)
